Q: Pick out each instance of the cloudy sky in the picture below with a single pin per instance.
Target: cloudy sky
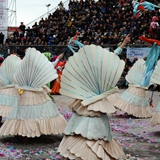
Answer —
(29, 10)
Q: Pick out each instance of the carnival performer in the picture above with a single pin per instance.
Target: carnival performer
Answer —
(114, 97)
(133, 101)
(54, 62)
(90, 76)
(142, 6)
(74, 41)
(35, 113)
(56, 86)
(55, 59)
(155, 77)
(155, 120)
(8, 93)
(153, 26)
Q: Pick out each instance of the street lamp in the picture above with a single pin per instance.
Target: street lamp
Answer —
(48, 8)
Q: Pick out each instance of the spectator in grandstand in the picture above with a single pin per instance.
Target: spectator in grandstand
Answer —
(16, 33)
(101, 22)
(153, 26)
(1, 38)
(22, 27)
(61, 5)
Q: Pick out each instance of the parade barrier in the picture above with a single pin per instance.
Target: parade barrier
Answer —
(140, 53)
(132, 50)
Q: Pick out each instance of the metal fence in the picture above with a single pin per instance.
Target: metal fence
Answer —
(53, 49)
(20, 49)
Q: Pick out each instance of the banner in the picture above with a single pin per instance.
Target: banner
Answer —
(4, 17)
(137, 52)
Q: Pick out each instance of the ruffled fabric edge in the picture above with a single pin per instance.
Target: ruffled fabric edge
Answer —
(74, 147)
(33, 128)
(89, 127)
(155, 120)
(134, 99)
(103, 106)
(33, 98)
(41, 111)
(81, 110)
(5, 111)
(95, 109)
(10, 92)
(131, 109)
(141, 92)
(113, 97)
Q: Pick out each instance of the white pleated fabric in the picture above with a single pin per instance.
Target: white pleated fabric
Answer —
(90, 77)
(8, 94)
(134, 102)
(35, 113)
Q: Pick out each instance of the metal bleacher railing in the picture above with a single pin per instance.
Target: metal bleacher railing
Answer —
(65, 3)
(55, 49)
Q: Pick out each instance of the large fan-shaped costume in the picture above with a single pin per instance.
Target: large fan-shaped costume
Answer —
(35, 113)
(134, 100)
(155, 78)
(8, 93)
(89, 77)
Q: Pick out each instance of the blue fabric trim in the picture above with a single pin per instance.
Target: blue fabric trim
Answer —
(150, 64)
(6, 100)
(134, 100)
(35, 112)
(80, 123)
(79, 44)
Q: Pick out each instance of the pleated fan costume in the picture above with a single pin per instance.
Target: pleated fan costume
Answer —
(90, 77)
(155, 78)
(8, 93)
(35, 113)
(134, 101)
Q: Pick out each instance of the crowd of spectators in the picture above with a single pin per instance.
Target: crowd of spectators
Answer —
(99, 22)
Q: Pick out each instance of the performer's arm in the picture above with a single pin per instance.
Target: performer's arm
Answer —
(125, 42)
(58, 59)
